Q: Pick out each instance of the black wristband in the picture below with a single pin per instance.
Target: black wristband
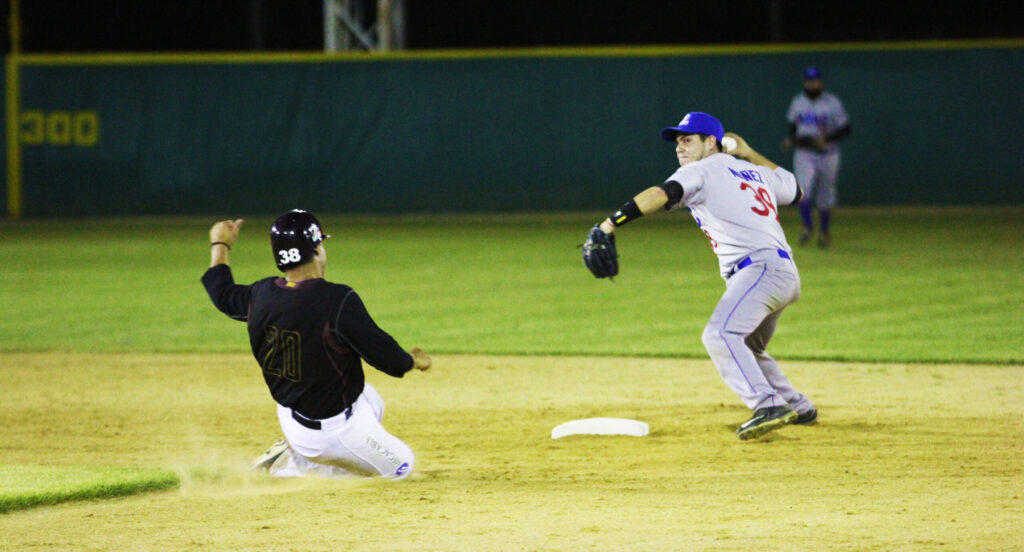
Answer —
(626, 213)
(221, 243)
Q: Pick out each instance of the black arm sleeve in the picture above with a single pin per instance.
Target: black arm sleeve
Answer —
(674, 191)
(799, 195)
(354, 325)
(792, 130)
(840, 133)
(229, 298)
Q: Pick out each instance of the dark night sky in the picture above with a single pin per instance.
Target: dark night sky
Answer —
(228, 25)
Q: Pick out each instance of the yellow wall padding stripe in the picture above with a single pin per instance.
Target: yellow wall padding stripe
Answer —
(553, 52)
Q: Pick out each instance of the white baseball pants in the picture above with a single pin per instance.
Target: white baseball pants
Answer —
(346, 445)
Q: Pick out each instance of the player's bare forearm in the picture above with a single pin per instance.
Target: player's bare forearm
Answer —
(758, 159)
(651, 200)
(747, 153)
(219, 256)
(648, 201)
(223, 235)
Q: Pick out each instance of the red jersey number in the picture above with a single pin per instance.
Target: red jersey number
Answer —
(714, 244)
(762, 197)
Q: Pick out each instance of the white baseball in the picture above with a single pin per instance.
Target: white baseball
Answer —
(729, 143)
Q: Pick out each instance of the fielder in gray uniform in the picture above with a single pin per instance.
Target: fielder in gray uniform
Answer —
(817, 122)
(734, 200)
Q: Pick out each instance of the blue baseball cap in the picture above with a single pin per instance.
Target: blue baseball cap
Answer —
(812, 73)
(695, 122)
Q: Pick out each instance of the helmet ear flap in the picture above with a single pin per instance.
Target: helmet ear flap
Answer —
(294, 237)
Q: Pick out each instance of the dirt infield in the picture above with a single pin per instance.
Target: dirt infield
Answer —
(905, 457)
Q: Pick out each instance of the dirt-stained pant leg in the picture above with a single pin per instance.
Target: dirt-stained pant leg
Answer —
(347, 445)
(752, 295)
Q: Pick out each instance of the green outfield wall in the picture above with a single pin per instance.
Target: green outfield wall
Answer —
(490, 131)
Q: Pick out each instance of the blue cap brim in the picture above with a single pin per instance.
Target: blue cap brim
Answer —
(668, 134)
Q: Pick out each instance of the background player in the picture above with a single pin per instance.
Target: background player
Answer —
(817, 121)
(735, 204)
(308, 335)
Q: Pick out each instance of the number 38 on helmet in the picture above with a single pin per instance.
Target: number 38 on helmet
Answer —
(294, 237)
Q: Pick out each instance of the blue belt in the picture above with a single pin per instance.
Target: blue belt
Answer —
(747, 262)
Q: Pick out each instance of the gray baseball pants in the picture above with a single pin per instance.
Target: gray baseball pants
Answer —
(817, 173)
(738, 332)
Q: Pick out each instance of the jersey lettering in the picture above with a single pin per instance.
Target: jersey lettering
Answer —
(811, 118)
(752, 176)
(767, 208)
(284, 358)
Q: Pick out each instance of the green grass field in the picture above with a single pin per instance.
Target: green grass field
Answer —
(907, 285)
(26, 485)
(908, 338)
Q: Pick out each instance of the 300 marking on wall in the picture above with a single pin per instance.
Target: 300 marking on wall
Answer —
(60, 128)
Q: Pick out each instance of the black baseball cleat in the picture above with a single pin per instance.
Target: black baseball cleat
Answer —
(806, 418)
(765, 420)
(805, 236)
(270, 456)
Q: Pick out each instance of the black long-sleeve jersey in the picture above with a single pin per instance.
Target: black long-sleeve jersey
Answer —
(309, 337)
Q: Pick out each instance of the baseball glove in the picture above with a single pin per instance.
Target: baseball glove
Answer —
(599, 253)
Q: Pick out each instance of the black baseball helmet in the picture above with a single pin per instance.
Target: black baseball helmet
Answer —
(294, 237)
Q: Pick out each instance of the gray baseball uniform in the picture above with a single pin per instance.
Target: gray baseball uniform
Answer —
(735, 204)
(817, 170)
